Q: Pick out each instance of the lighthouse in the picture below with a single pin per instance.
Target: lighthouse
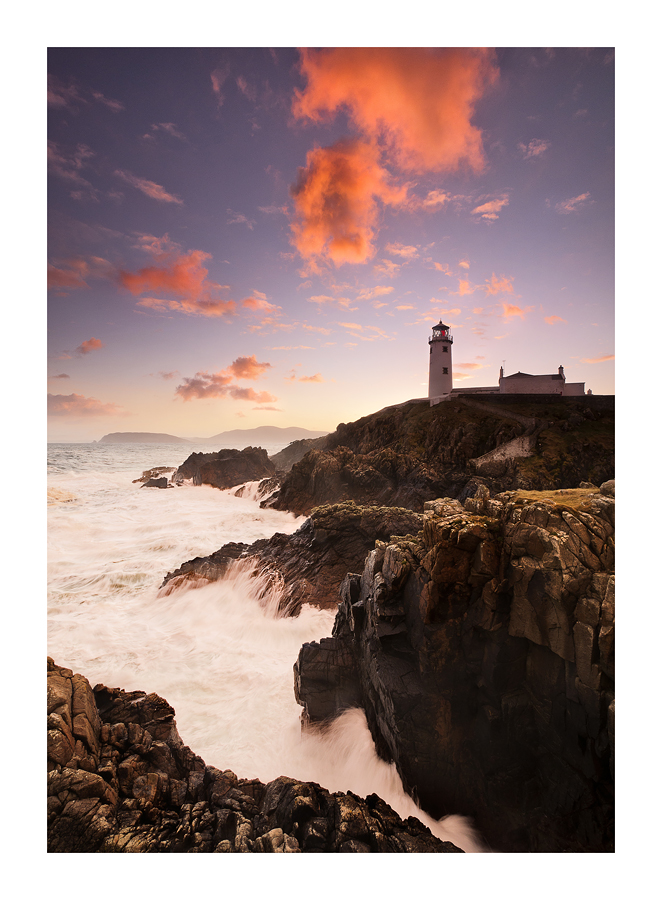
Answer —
(441, 361)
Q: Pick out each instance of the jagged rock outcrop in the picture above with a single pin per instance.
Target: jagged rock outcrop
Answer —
(406, 455)
(311, 563)
(120, 779)
(482, 651)
(225, 468)
(286, 458)
(382, 477)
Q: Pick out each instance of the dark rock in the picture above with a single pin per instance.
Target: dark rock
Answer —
(153, 473)
(225, 468)
(157, 483)
(482, 653)
(286, 458)
(311, 563)
(139, 789)
(406, 455)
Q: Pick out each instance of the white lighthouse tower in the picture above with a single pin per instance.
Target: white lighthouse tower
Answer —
(441, 361)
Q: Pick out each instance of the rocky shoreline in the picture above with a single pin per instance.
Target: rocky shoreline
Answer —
(120, 780)
(475, 628)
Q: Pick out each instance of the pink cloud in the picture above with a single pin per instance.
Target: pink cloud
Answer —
(404, 250)
(552, 320)
(78, 405)
(491, 208)
(534, 148)
(218, 77)
(317, 378)
(205, 385)
(87, 346)
(599, 359)
(573, 204)
(185, 276)
(510, 311)
(149, 188)
(371, 293)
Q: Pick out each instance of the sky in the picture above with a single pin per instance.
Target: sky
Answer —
(240, 237)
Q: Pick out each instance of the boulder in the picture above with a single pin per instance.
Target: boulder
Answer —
(156, 483)
(139, 789)
(225, 468)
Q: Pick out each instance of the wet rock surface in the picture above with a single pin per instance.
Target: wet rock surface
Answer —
(482, 651)
(225, 468)
(310, 564)
(120, 779)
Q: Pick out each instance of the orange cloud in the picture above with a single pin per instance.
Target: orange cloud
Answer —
(186, 277)
(312, 378)
(335, 200)
(259, 303)
(247, 367)
(599, 359)
(510, 311)
(88, 346)
(552, 320)
(464, 263)
(501, 285)
(417, 102)
(443, 267)
(78, 405)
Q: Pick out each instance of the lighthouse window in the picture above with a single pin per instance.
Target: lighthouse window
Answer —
(445, 349)
(445, 371)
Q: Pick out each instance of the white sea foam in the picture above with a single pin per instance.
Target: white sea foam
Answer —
(220, 654)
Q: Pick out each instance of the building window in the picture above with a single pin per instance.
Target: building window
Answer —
(445, 349)
(445, 371)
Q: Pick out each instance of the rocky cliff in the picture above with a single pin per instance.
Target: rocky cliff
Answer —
(482, 651)
(120, 779)
(406, 455)
(310, 564)
(225, 468)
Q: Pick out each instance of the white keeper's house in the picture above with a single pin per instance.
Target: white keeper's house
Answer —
(441, 375)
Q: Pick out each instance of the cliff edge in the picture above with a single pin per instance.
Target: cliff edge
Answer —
(482, 651)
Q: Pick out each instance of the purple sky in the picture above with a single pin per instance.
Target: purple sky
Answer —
(245, 237)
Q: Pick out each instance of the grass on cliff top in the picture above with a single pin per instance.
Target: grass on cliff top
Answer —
(576, 498)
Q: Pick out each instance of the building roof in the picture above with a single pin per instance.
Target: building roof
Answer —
(527, 375)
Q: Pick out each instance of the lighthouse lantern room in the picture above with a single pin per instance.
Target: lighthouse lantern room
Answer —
(441, 361)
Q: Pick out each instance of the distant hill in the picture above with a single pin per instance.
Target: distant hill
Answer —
(243, 437)
(141, 437)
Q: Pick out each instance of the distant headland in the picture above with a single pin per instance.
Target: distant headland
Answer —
(262, 433)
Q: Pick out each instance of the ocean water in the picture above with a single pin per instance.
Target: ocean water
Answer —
(219, 654)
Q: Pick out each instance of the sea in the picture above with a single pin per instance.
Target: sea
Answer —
(221, 655)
